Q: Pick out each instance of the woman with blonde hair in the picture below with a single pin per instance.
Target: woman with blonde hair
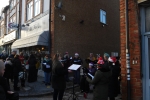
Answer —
(58, 77)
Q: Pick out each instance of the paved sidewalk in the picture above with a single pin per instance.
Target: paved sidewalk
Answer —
(37, 88)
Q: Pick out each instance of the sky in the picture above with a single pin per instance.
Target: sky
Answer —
(3, 3)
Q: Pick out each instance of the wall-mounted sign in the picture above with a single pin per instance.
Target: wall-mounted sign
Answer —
(13, 26)
(10, 37)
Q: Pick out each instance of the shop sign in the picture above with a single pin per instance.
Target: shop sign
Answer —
(13, 26)
(10, 37)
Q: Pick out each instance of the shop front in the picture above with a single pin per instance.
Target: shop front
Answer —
(35, 37)
(8, 40)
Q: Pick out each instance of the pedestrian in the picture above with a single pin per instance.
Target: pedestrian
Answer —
(11, 57)
(113, 85)
(4, 56)
(84, 86)
(47, 67)
(91, 58)
(66, 62)
(77, 60)
(17, 67)
(58, 80)
(32, 69)
(21, 57)
(8, 70)
(100, 82)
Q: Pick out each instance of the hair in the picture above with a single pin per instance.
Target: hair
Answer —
(56, 56)
(17, 56)
(21, 53)
(2, 66)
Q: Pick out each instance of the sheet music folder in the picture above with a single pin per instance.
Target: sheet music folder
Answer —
(74, 67)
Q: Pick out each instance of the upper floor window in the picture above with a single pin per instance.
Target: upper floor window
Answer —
(2, 29)
(29, 10)
(12, 20)
(102, 16)
(12, 3)
(37, 7)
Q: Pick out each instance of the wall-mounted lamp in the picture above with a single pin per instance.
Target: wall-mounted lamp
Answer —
(59, 6)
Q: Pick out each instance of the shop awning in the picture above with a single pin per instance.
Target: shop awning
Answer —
(32, 40)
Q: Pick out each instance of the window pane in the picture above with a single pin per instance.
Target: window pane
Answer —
(147, 19)
(29, 10)
(37, 7)
(102, 16)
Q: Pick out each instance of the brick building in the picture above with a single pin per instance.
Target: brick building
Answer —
(85, 26)
(139, 30)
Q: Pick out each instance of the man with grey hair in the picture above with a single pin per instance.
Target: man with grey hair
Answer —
(4, 89)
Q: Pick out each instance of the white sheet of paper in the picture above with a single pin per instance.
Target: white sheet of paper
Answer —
(47, 66)
(91, 76)
(74, 67)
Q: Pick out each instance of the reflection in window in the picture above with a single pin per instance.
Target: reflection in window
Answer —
(29, 10)
(36, 7)
(102, 16)
(147, 19)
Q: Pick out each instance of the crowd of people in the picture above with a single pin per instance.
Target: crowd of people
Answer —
(100, 72)
(105, 71)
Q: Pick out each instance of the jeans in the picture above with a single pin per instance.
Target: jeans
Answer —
(47, 77)
(77, 77)
(58, 93)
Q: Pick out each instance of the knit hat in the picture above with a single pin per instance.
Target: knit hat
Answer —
(106, 54)
(112, 59)
(100, 61)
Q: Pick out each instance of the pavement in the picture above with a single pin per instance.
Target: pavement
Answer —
(36, 90)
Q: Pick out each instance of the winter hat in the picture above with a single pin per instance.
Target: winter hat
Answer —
(90, 64)
(112, 59)
(76, 54)
(100, 61)
(107, 55)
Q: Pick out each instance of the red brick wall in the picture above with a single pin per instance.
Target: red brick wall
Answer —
(134, 44)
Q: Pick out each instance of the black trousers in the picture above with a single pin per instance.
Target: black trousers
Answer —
(16, 81)
(58, 94)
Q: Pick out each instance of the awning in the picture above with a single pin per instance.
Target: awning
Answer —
(32, 40)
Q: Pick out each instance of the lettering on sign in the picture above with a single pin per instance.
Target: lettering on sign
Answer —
(34, 27)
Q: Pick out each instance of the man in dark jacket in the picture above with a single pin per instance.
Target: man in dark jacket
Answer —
(77, 60)
(66, 62)
(17, 67)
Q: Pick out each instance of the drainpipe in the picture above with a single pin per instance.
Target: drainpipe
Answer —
(128, 54)
(50, 43)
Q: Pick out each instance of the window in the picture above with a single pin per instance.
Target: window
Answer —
(2, 28)
(29, 10)
(147, 19)
(36, 7)
(12, 3)
(102, 16)
(12, 20)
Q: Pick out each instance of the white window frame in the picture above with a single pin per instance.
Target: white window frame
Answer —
(30, 10)
(103, 16)
(37, 7)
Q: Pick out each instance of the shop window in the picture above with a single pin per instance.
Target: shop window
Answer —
(37, 7)
(102, 16)
(29, 10)
(147, 19)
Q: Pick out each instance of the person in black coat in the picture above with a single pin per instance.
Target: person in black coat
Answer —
(47, 68)
(77, 60)
(113, 85)
(32, 69)
(66, 62)
(8, 70)
(17, 67)
(58, 80)
(4, 89)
